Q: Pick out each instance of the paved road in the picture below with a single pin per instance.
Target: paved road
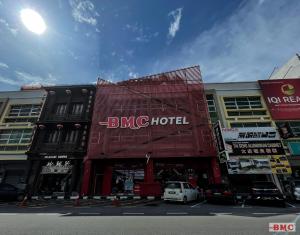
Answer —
(53, 223)
(141, 217)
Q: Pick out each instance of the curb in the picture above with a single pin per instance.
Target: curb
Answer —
(120, 197)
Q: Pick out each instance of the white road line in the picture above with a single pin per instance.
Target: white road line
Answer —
(290, 205)
(265, 213)
(177, 213)
(8, 213)
(133, 213)
(242, 207)
(198, 204)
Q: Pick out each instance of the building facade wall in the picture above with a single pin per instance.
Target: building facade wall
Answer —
(19, 112)
(60, 140)
(126, 144)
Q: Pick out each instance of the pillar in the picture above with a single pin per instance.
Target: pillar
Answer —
(74, 176)
(107, 178)
(149, 172)
(85, 187)
(216, 171)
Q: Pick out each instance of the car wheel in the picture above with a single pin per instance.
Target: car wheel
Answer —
(20, 198)
(184, 200)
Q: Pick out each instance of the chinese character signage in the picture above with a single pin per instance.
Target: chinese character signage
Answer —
(242, 148)
(219, 137)
(250, 134)
(59, 167)
(282, 97)
(280, 165)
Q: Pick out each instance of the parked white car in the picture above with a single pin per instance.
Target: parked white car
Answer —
(180, 191)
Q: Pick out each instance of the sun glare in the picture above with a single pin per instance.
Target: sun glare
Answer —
(33, 21)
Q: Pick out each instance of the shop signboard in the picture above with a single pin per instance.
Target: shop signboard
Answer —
(54, 156)
(246, 148)
(249, 165)
(221, 146)
(282, 97)
(219, 136)
(59, 167)
(280, 165)
(138, 122)
(294, 148)
(250, 134)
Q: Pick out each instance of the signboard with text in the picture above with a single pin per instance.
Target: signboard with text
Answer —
(282, 97)
(250, 134)
(244, 148)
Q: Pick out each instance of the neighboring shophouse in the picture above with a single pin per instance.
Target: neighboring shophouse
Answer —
(147, 131)
(60, 140)
(19, 111)
(244, 116)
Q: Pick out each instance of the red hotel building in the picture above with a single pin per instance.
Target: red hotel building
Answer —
(147, 131)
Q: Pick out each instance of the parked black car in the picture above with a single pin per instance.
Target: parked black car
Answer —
(9, 192)
(220, 193)
(265, 192)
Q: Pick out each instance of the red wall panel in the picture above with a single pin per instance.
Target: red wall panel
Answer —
(173, 94)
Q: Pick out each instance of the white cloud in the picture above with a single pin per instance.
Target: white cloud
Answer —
(175, 23)
(141, 35)
(245, 46)
(8, 81)
(8, 27)
(84, 12)
(3, 65)
(27, 78)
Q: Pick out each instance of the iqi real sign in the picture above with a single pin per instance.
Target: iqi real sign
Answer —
(133, 122)
(282, 97)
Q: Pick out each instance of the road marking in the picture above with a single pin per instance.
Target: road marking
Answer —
(8, 213)
(265, 213)
(133, 213)
(177, 213)
(198, 204)
(242, 207)
(290, 205)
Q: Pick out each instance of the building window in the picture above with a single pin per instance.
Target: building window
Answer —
(247, 113)
(211, 103)
(250, 124)
(60, 109)
(77, 109)
(71, 136)
(13, 120)
(292, 127)
(15, 136)
(24, 110)
(251, 102)
(53, 136)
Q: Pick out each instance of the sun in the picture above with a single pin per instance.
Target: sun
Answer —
(33, 21)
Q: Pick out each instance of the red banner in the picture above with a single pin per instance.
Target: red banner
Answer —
(282, 98)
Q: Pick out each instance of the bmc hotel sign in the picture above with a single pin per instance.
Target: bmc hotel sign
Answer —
(142, 121)
(282, 97)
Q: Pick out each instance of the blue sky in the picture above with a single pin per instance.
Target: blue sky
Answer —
(116, 39)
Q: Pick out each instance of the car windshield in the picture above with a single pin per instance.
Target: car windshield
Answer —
(264, 185)
(173, 185)
(218, 186)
